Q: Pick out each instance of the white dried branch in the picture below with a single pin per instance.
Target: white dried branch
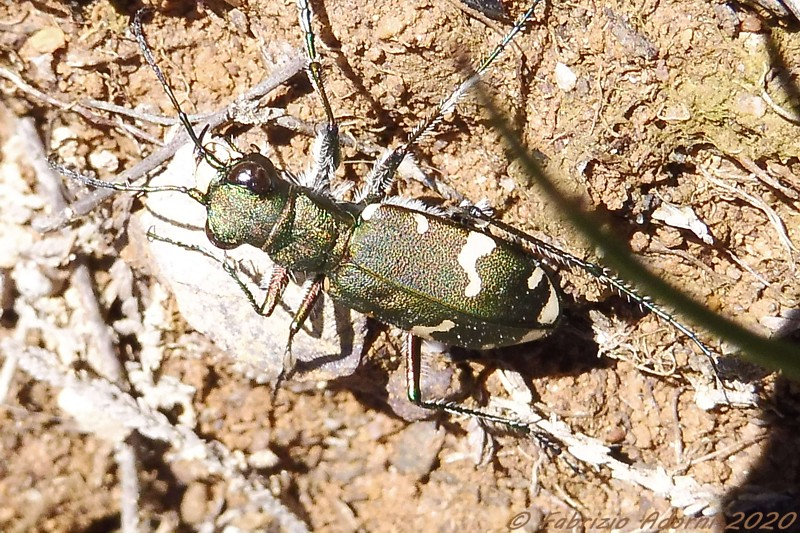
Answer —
(684, 492)
(683, 217)
(7, 372)
(48, 180)
(60, 103)
(103, 358)
(773, 217)
(116, 413)
(785, 114)
(86, 204)
(125, 457)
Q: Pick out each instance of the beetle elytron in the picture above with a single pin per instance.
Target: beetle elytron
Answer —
(450, 275)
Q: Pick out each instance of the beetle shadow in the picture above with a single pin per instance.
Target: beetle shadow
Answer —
(161, 217)
(570, 350)
(347, 359)
(338, 335)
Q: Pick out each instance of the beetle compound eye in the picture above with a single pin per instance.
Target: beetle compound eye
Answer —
(257, 177)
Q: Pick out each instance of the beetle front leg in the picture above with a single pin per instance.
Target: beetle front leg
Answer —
(326, 150)
(227, 266)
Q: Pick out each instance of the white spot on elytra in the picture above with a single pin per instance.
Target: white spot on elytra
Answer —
(369, 211)
(535, 278)
(552, 308)
(422, 222)
(534, 335)
(425, 331)
(476, 247)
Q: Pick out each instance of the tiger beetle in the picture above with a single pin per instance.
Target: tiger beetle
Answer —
(452, 275)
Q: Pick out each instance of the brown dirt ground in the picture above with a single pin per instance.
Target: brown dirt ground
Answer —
(667, 95)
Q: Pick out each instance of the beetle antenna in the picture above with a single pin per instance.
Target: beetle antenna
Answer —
(194, 194)
(136, 26)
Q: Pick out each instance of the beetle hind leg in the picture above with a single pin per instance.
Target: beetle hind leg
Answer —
(413, 356)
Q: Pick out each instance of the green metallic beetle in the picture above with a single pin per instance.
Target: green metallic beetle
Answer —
(395, 261)
(400, 261)
(456, 276)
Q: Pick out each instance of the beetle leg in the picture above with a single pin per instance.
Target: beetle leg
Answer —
(606, 278)
(277, 284)
(326, 151)
(310, 297)
(381, 177)
(413, 356)
(326, 157)
(227, 266)
(413, 365)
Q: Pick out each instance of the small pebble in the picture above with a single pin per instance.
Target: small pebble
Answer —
(417, 448)
(45, 41)
(565, 78)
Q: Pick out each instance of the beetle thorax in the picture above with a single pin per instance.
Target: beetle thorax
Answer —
(312, 235)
